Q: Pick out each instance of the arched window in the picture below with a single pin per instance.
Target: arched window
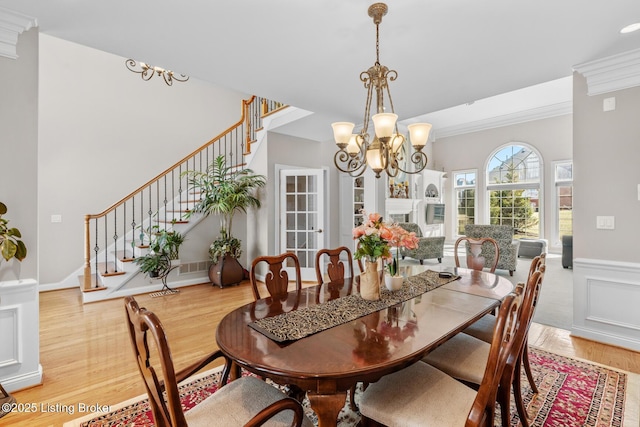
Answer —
(513, 187)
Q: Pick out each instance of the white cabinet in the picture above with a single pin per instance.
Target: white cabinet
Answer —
(20, 335)
(356, 194)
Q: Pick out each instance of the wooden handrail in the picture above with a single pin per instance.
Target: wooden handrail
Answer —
(87, 281)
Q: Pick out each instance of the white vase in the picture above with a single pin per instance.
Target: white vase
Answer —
(393, 283)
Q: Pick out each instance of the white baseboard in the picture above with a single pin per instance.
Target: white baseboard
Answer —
(22, 381)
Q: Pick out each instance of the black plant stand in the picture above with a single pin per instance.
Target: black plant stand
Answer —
(6, 402)
(162, 275)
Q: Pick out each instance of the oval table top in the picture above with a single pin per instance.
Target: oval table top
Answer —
(329, 362)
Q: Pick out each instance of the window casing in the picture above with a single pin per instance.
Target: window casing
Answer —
(563, 173)
(465, 185)
(513, 189)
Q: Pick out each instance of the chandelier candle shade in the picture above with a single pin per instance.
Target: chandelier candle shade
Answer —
(382, 151)
(147, 71)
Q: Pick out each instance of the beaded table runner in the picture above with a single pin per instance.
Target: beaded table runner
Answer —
(306, 321)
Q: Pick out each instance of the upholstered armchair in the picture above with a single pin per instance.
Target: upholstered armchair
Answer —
(503, 234)
(428, 247)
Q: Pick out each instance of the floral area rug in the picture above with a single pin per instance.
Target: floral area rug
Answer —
(573, 393)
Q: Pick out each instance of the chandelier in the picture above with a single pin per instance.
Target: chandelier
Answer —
(147, 71)
(385, 150)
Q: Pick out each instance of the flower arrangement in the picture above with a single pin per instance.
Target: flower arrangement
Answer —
(376, 237)
(401, 238)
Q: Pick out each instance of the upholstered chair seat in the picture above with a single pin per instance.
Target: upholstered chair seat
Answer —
(419, 395)
(241, 400)
(422, 395)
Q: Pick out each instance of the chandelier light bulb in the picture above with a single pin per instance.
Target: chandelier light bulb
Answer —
(375, 160)
(419, 134)
(353, 147)
(384, 124)
(342, 133)
(396, 142)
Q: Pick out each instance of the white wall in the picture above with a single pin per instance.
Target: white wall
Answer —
(103, 133)
(18, 151)
(606, 177)
(551, 137)
(606, 269)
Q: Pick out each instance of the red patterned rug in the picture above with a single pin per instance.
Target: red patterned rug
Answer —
(573, 393)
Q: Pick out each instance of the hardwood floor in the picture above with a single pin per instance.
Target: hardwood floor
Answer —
(87, 358)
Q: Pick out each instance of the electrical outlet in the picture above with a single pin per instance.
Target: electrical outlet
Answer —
(56, 218)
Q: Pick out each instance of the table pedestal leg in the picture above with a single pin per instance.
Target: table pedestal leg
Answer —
(327, 407)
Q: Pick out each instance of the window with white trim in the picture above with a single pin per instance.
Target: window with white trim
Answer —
(513, 186)
(564, 199)
(464, 185)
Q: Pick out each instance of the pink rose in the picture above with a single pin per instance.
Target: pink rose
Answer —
(374, 217)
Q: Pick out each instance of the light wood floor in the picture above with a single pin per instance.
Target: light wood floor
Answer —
(87, 357)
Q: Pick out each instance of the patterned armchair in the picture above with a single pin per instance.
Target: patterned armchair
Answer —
(503, 234)
(428, 247)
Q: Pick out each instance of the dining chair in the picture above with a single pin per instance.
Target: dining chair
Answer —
(335, 273)
(277, 278)
(475, 260)
(246, 401)
(421, 395)
(336, 265)
(483, 328)
(464, 356)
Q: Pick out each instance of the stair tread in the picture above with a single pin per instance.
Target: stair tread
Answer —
(109, 269)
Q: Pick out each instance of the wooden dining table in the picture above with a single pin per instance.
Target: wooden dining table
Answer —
(328, 363)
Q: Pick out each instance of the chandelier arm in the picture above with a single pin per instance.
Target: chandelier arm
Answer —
(146, 74)
(353, 164)
(167, 76)
(418, 158)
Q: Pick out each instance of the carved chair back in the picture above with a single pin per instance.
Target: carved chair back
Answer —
(276, 279)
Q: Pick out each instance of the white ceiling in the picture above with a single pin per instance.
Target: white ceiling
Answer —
(449, 54)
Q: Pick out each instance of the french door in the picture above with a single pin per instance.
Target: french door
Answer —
(302, 216)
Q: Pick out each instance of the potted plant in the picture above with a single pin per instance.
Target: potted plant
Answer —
(153, 264)
(225, 191)
(168, 242)
(164, 247)
(10, 244)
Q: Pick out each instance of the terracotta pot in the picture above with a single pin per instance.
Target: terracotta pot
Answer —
(227, 271)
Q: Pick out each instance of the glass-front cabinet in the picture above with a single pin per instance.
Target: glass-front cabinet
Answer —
(357, 194)
(358, 200)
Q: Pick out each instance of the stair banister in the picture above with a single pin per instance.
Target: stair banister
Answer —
(251, 122)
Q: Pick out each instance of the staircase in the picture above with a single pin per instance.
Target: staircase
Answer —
(113, 238)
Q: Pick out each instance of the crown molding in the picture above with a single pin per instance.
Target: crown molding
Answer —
(12, 24)
(613, 73)
(514, 118)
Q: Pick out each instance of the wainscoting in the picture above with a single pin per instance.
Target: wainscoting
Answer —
(606, 296)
